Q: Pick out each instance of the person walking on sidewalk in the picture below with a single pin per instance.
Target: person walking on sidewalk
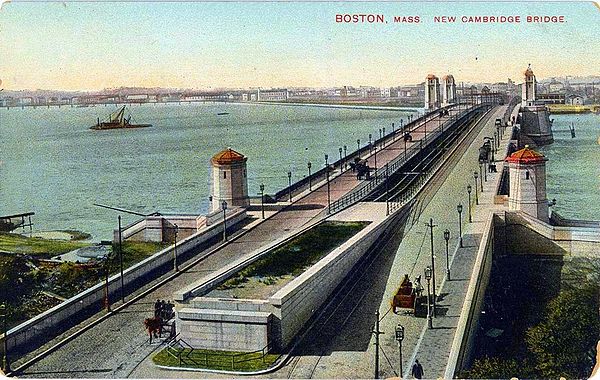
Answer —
(417, 370)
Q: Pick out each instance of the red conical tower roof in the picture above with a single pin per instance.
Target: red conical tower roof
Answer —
(526, 156)
(227, 156)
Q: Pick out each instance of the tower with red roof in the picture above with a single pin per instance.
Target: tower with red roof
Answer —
(527, 182)
(229, 180)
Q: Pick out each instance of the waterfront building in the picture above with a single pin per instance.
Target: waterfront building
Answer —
(574, 100)
(229, 180)
(448, 90)
(273, 95)
(527, 183)
(432, 92)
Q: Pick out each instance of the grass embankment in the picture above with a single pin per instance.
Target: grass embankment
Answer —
(218, 360)
(26, 286)
(15, 243)
(289, 261)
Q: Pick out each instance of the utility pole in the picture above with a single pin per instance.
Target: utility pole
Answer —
(377, 333)
(431, 225)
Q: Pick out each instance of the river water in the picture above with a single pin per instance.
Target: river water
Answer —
(51, 163)
(573, 167)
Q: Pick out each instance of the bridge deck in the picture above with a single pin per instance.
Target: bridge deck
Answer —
(117, 344)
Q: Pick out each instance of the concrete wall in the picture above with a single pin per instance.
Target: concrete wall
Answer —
(45, 326)
(296, 302)
(162, 228)
(468, 323)
(201, 321)
(528, 235)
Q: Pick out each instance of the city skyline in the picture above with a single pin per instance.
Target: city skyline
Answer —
(95, 46)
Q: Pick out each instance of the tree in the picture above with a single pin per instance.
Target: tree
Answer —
(495, 368)
(561, 342)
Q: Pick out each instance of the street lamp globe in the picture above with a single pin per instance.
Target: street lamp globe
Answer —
(428, 273)
(446, 234)
(399, 333)
(224, 205)
(469, 189)
(459, 208)
(475, 175)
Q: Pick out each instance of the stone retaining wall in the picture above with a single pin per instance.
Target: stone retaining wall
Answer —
(45, 326)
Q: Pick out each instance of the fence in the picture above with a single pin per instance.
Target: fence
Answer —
(189, 356)
(381, 174)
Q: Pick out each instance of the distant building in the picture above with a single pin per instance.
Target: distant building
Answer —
(574, 100)
(273, 95)
(552, 98)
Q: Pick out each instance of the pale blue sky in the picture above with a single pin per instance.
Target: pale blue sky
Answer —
(85, 45)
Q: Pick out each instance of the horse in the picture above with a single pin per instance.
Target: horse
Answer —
(153, 325)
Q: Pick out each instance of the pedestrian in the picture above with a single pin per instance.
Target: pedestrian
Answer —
(417, 370)
(418, 286)
(157, 308)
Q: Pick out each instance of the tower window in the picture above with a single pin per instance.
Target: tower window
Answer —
(224, 174)
(527, 175)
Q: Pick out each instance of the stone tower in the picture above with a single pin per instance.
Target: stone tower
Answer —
(448, 90)
(432, 92)
(229, 180)
(529, 89)
(527, 183)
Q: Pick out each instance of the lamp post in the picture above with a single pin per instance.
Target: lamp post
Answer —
(399, 339)
(375, 150)
(469, 192)
(447, 238)
(345, 156)
(393, 132)
(262, 196)
(402, 125)
(380, 134)
(476, 195)
(224, 206)
(370, 145)
(328, 188)
(121, 260)
(106, 273)
(4, 316)
(341, 158)
(175, 263)
(383, 135)
(428, 278)
(290, 185)
(309, 177)
(481, 174)
(357, 146)
(431, 225)
(459, 208)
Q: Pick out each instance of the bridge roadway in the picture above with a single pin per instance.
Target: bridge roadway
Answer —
(340, 343)
(116, 345)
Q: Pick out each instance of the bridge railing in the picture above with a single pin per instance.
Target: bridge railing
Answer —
(320, 174)
(381, 174)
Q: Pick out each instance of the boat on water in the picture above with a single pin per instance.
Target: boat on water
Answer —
(117, 120)
(222, 113)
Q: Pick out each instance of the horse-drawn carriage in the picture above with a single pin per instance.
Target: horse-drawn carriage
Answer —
(410, 297)
(362, 169)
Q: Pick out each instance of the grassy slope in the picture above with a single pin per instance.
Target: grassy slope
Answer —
(36, 246)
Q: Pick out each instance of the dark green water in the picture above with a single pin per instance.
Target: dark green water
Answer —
(573, 167)
(53, 164)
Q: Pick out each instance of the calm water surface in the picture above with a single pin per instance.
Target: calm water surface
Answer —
(573, 168)
(53, 164)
